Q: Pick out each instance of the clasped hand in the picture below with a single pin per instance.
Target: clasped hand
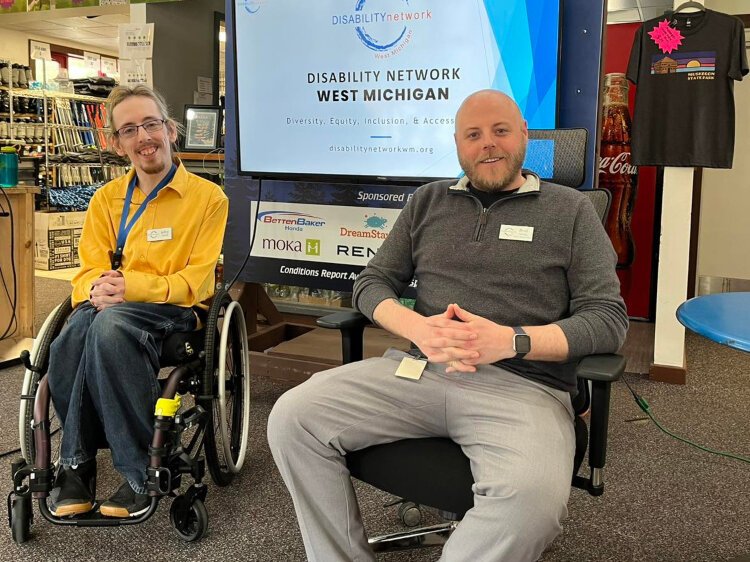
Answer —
(464, 340)
(107, 290)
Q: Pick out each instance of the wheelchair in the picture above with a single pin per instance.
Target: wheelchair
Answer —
(211, 364)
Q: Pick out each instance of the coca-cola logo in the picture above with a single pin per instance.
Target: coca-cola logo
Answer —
(619, 164)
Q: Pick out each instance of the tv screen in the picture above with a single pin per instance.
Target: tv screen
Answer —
(370, 88)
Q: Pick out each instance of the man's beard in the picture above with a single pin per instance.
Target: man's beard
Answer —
(155, 168)
(496, 183)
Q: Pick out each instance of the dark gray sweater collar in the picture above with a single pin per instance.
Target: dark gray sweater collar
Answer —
(531, 184)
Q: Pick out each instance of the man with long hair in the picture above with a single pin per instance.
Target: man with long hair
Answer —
(148, 251)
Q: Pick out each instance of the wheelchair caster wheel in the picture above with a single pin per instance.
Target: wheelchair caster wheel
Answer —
(410, 514)
(20, 518)
(190, 521)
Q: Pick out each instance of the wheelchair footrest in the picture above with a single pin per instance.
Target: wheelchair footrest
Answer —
(94, 518)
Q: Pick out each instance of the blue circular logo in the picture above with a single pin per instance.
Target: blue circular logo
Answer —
(251, 6)
(371, 42)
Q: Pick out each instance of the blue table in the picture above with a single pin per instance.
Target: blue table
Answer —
(723, 318)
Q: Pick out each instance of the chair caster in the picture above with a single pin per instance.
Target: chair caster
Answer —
(189, 519)
(410, 514)
(20, 517)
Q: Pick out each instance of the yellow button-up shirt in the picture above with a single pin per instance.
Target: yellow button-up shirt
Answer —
(177, 271)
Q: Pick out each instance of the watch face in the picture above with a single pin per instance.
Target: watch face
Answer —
(521, 343)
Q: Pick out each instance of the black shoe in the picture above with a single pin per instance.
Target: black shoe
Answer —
(125, 503)
(75, 490)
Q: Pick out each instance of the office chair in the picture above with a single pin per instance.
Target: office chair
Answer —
(405, 468)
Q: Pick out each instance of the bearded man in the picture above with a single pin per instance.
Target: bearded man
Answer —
(516, 282)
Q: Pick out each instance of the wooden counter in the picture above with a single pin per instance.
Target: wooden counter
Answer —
(22, 204)
(201, 156)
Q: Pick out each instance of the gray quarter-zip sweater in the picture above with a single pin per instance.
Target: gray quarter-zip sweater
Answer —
(565, 274)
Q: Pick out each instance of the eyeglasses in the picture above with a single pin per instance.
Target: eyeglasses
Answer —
(129, 131)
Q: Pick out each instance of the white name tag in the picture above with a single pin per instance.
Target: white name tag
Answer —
(514, 232)
(158, 234)
(411, 368)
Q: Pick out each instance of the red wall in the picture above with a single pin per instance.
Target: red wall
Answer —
(636, 280)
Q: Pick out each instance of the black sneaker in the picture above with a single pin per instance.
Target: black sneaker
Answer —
(75, 490)
(125, 503)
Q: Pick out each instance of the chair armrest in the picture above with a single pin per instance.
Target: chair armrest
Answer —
(343, 320)
(602, 371)
(352, 325)
(607, 367)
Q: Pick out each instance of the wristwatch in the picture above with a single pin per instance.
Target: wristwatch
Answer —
(521, 342)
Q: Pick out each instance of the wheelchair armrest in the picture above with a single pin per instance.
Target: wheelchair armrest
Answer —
(602, 371)
(352, 325)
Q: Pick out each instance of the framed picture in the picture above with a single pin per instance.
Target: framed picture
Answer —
(202, 128)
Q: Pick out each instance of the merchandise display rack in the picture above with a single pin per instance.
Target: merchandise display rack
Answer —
(72, 152)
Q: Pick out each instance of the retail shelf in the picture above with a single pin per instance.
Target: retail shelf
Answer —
(52, 94)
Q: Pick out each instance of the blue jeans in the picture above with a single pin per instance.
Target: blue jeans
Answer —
(103, 381)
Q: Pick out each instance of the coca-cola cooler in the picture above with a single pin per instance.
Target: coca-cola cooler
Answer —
(630, 224)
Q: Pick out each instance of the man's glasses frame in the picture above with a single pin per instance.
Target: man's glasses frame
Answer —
(150, 126)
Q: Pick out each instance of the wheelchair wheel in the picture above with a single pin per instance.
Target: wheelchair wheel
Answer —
(227, 379)
(189, 521)
(39, 358)
(20, 518)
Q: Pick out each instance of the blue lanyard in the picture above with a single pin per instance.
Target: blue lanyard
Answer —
(125, 226)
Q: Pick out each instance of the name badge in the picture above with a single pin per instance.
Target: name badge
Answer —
(411, 368)
(159, 234)
(515, 232)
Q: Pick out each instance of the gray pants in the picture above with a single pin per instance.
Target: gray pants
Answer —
(518, 435)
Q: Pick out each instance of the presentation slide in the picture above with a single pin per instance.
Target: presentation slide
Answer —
(370, 88)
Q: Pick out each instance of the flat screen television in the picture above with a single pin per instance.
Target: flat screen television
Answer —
(368, 89)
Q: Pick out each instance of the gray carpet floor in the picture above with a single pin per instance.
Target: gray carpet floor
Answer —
(664, 500)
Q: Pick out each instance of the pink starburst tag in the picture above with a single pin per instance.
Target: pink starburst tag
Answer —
(667, 38)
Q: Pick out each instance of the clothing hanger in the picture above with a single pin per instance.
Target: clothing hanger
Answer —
(690, 4)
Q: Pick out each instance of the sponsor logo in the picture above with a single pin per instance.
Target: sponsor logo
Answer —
(374, 221)
(310, 247)
(383, 27)
(355, 251)
(290, 220)
(372, 233)
(375, 225)
(281, 245)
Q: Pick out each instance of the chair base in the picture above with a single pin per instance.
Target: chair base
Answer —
(424, 537)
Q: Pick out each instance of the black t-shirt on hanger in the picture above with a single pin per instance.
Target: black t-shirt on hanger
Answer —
(684, 105)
